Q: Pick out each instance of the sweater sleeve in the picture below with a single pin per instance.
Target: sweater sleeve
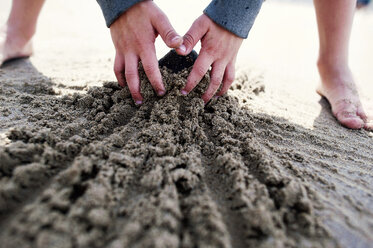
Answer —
(237, 16)
(112, 9)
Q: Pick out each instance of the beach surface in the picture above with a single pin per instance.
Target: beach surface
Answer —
(267, 165)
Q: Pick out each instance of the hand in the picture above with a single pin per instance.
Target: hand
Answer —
(133, 35)
(219, 49)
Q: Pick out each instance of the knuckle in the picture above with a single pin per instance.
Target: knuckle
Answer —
(142, 46)
(118, 66)
(199, 23)
(229, 78)
(156, 85)
(190, 85)
(130, 73)
(150, 69)
(155, 81)
(215, 82)
(210, 51)
(117, 69)
(225, 87)
(188, 38)
(169, 34)
(160, 18)
(136, 94)
(199, 70)
(230, 75)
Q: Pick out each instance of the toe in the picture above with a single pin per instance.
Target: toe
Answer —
(319, 90)
(369, 124)
(368, 120)
(350, 120)
(361, 113)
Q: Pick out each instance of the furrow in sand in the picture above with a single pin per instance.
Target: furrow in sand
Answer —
(330, 177)
(280, 131)
(220, 188)
(40, 153)
(254, 185)
(316, 145)
(310, 159)
(27, 183)
(203, 222)
(309, 165)
(83, 206)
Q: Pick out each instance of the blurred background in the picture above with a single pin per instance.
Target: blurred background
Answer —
(72, 39)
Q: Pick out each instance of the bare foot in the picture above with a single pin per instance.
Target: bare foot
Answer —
(13, 45)
(338, 87)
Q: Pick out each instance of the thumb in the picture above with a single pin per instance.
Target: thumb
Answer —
(167, 32)
(195, 33)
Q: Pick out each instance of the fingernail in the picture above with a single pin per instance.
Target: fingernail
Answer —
(161, 92)
(184, 92)
(182, 48)
(175, 39)
(138, 102)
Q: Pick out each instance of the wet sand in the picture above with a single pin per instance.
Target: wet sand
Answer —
(265, 166)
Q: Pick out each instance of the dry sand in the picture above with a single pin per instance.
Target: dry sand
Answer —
(265, 166)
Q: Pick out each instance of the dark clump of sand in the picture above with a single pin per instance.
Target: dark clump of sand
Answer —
(94, 170)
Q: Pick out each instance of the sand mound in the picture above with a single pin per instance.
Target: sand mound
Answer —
(94, 170)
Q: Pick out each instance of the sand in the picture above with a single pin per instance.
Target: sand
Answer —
(265, 166)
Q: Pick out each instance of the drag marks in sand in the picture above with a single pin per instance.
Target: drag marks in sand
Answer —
(93, 170)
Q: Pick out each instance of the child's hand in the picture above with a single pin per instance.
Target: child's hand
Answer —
(133, 35)
(219, 49)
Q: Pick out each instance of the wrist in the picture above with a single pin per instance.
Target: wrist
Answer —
(113, 9)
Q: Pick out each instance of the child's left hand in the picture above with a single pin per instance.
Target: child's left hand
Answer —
(219, 49)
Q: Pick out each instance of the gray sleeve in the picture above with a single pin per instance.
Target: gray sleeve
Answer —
(112, 9)
(237, 16)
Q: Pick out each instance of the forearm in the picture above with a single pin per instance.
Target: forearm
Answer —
(112, 9)
(236, 16)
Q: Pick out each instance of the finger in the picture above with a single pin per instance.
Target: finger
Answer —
(217, 74)
(194, 34)
(119, 68)
(132, 77)
(228, 79)
(166, 31)
(200, 68)
(150, 63)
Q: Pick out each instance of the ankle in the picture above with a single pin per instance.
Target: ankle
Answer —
(332, 64)
(19, 33)
(334, 71)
